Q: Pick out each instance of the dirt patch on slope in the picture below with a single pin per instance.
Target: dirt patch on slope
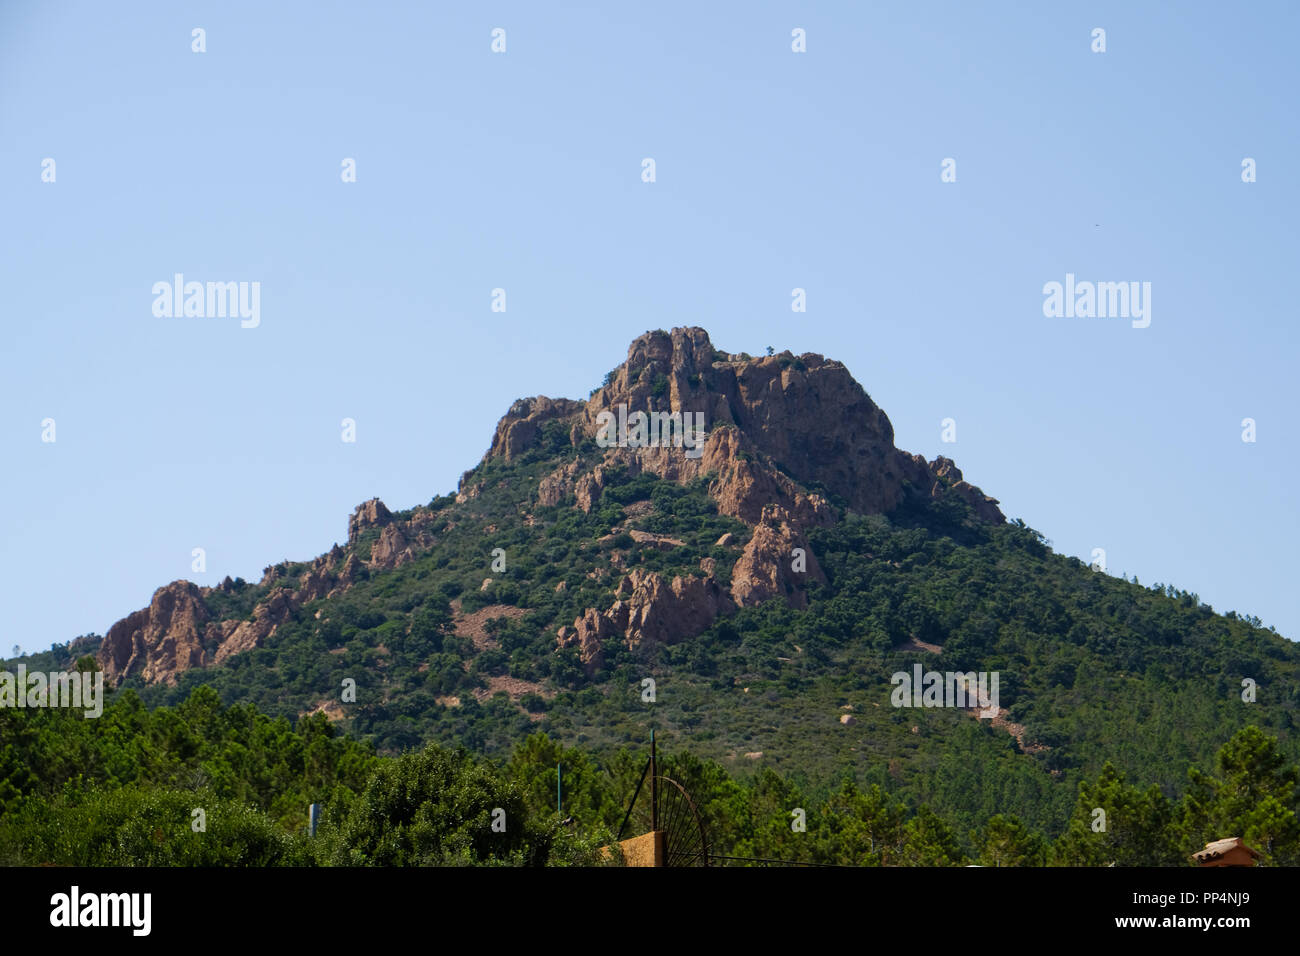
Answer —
(474, 626)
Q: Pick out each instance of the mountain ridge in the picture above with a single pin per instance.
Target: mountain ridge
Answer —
(776, 427)
(770, 614)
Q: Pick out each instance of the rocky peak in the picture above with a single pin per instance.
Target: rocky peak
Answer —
(161, 640)
(800, 417)
(777, 562)
(369, 514)
(777, 426)
(648, 609)
(783, 435)
(805, 413)
(521, 425)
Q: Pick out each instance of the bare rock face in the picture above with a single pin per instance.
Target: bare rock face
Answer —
(588, 488)
(945, 468)
(553, 488)
(775, 426)
(589, 633)
(522, 424)
(274, 572)
(176, 633)
(161, 640)
(742, 484)
(392, 549)
(659, 541)
(399, 540)
(649, 609)
(986, 508)
(767, 567)
(652, 609)
(348, 574)
(468, 493)
(747, 481)
(943, 474)
(267, 616)
(571, 479)
(805, 413)
(369, 514)
(321, 579)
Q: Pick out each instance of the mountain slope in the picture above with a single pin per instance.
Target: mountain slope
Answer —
(769, 582)
(786, 443)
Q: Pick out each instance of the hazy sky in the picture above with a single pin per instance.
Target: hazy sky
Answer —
(522, 170)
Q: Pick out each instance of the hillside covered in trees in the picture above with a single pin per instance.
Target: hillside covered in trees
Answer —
(752, 603)
(202, 784)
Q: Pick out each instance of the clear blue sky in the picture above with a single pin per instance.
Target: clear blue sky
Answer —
(522, 170)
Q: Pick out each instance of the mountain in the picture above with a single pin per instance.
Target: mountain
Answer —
(753, 594)
(785, 436)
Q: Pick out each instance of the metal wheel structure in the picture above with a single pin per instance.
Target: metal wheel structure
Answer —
(661, 804)
(685, 842)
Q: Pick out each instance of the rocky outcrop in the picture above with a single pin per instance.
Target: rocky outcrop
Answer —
(777, 561)
(571, 479)
(161, 640)
(589, 634)
(322, 578)
(742, 481)
(392, 549)
(776, 425)
(399, 540)
(176, 631)
(588, 487)
(782, 436)
(269, 614)
(522, 424)
(746, 481)
(470, 492)
(649, 609)
(805, 413)
(369, 514)
(645, 539)
(558, 485)
(943, 473)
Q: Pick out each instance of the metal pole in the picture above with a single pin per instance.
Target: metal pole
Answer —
(639, 784)
(654, 786)
(559, 794)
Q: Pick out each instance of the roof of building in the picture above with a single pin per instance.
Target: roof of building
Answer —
(1220, 848)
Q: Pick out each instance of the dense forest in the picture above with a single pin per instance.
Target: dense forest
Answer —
(204, 784)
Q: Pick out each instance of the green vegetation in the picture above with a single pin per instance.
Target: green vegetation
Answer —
(1111, 691)
(203, 785)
